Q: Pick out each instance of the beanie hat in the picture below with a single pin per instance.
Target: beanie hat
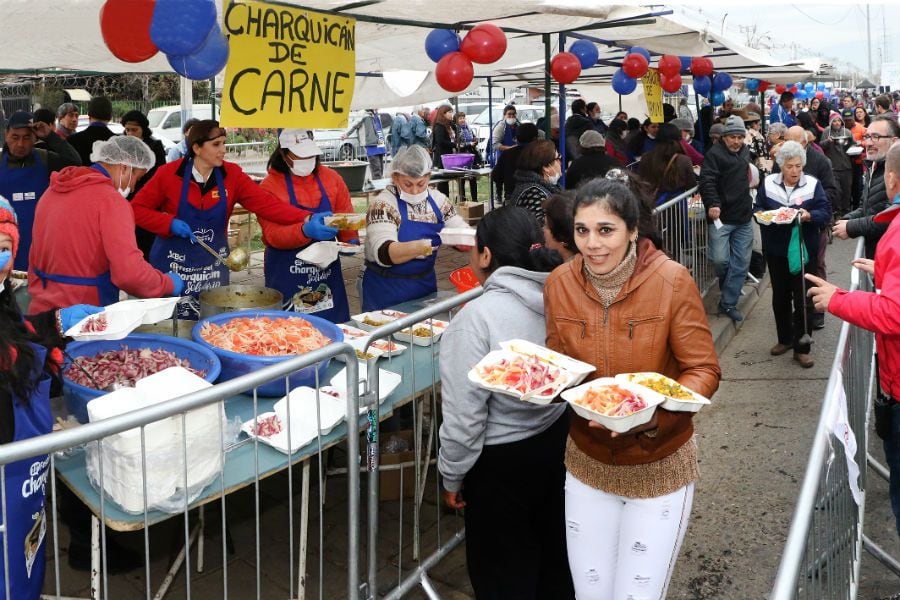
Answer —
(734, 126)
(591, 139)
(683, 124)
(9, 224)
(717, 129)
(834, 115)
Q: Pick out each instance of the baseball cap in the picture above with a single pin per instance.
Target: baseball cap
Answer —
(20, 120)
(847, 113)
(299, 141)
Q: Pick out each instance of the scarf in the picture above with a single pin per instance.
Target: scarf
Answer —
(609, 284)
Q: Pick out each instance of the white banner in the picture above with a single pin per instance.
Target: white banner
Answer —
(839, 425)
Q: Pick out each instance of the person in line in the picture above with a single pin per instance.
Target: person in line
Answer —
(503, 174)
(25, 171)
(666, 168)
(100, 114)
(136, 124)
(862, 116)
(618, 485)
(615, 141)
(684, 111)
(84, 248)
(806, 120)
(792, 187)
(44, 115)
(702, 128)
(537, 173)
(181, 148)
(491, 443)
(467, 143)
(725, 190)
(443, 141)
(193, 198)
(593, 161)
(403, 228)
(30, 365)
(835, 140)
(371, 136)
(879, 137)
(576, 124)
(877, 312)
(857, 130)
(67, 119)
(884, 107)
(594, 113)
(819, 111)
(690, 146)
(756, 143)
(418, 127)
(296, 176)
(782, 112)
(622, 116)
(559, 226)
(642, 140)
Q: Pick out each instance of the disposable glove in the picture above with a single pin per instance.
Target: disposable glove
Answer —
(69, 317)
(177, 281)
(181, 229)
(316, 229)
(5, 257)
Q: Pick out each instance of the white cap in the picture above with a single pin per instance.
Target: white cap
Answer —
(299, 141)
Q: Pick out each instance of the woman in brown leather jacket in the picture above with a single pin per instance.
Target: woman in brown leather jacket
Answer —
(624, 306)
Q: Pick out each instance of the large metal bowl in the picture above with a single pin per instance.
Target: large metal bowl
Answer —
(230, 298)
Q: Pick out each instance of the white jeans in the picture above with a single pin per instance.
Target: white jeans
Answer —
(623, 548)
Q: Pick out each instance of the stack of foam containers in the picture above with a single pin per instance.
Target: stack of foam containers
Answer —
(198, 435)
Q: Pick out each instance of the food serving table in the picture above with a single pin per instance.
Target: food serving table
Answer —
(417, 366)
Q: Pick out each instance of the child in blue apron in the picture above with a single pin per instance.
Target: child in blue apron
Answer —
(297, 177)
(403, 228)
(29, 363)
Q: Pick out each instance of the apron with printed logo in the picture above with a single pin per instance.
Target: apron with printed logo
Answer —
(23, 187)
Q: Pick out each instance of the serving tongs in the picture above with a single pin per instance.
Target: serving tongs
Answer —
(109, 388)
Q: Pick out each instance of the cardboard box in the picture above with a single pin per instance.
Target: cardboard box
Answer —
(470, 211)
(389, 481)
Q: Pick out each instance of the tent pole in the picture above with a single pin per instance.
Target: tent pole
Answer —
(488, 149)
(187, 98)
(762, 117)
(562, 119)
(212, 97)
(547, 102)
(700, 121)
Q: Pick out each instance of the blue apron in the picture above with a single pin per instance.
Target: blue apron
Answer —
(389, 286)
(106, 291)
(323, 289)
(194, 265)
(23, 187)
(26, 492)
(379, 147)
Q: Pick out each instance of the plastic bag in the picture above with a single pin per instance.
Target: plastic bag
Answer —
(797, 254)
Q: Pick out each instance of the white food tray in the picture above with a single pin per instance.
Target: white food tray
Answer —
(124, 317)
(458, 236)
(673, 404)
(303, 418)
(433, 325)
(617, 424)
(387, 383)
(543, 395)
(383, 317)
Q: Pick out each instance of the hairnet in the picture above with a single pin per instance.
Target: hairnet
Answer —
(123, 150)
(412, 161)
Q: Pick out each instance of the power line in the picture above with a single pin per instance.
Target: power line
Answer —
(811, 18)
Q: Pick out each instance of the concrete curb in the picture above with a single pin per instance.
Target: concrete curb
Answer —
(724, 329)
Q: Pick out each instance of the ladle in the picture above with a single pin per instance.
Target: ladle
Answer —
(236, 261)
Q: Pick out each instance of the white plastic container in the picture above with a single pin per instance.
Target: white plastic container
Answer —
(435, 329)
(674, 404)
(458, 236)
(617, 424)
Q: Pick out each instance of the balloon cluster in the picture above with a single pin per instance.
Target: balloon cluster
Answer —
(187, 31)
(634, 66)
(484, 44)
(565, 67)
(757, 85)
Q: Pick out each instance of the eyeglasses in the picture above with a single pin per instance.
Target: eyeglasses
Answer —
(874, 137)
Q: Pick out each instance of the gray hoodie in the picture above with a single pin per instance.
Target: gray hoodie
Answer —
(512, 307)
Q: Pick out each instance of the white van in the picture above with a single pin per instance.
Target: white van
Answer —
(165, 121)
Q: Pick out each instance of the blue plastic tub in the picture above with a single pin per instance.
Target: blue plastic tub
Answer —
(77, 396)
(235, 364)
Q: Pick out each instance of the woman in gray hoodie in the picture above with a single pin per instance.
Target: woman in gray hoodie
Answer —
(501, 458)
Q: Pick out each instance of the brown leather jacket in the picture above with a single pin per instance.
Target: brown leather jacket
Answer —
(656, 323)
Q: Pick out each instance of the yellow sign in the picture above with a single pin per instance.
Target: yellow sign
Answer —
(287, 67)
(653, 95)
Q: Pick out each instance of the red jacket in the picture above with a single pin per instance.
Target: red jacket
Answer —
(84, 228)
(288, 237)
(879, 312)
(156, 205)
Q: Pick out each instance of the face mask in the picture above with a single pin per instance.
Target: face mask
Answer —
(553, 178)
(651, 136)
(595, 117)
(510, 121)
(127, 189)
(413, 198)
(303, 166)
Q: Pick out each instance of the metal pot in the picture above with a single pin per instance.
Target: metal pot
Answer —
(230, 298)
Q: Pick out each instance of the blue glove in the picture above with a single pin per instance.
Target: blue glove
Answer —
(354, 242)
(177, 281)
(5, 257)
(181, 229)
(69, 317)
(316, 229)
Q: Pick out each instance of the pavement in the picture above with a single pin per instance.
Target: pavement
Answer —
(754, 441)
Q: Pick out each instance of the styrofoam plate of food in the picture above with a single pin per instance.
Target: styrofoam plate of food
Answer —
(369, 321)
(423, 333)
(780, 216)
(106, 325)
(388, 347)
(577, 368)
(677, 397)
(387, 383)
(525, 377)
(346, 221)
(154, 309)
(617, 405)
(458, 236)
(854, 150)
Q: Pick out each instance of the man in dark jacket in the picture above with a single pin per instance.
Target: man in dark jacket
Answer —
(882, 132)
(725, 190)
(593, 162)
(100, 113)
(504, 173)
(576, 124)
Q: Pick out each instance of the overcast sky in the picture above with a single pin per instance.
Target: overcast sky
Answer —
(834, 30)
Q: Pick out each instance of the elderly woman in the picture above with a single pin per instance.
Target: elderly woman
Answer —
(794, 189)
(403, 228)
(538, 171)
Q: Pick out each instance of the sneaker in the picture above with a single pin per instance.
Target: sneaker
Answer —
(732, 313)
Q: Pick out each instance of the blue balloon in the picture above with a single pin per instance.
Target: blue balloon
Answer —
(809, 87)
(820, 86)
(685, 63)
(441, 42)
(721, 82)
(180, 27)
(752, 84)
(800, 95)
(702, 85)
(622, 83)
(717, 98)
(587, 53)
(640, 50)
(207, 61)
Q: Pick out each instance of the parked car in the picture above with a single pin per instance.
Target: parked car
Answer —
(336, 149)
(165, 121)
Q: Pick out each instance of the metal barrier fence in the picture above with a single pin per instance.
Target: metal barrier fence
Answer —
(822, 554)
(251, 156)
(244, 466)
(685, 235)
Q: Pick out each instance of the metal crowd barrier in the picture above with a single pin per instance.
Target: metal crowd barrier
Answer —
(251, 156)
(685, 234)
(821, 557)
(246, 467)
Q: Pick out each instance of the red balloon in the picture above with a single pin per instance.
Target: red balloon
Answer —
(820, 94)
(780, 88)
(669, 65)
(484, 44)
(670, 83)
(454, 72)
(700, 66)
(635, 65)
(565, 67)
(125, 26)
(763, 86)
(794, 89)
